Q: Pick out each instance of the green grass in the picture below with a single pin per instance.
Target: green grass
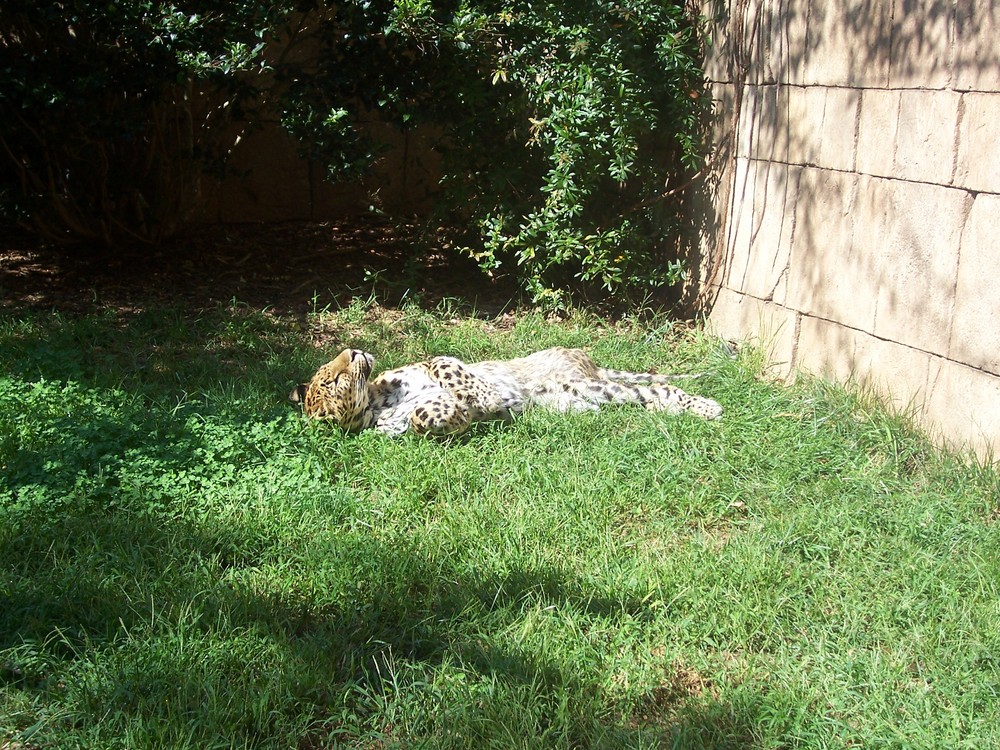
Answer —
(186, 562)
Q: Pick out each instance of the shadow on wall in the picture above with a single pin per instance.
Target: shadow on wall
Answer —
(799, 208)
(932, 44)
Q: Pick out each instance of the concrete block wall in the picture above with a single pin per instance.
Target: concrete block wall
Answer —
(855, 213)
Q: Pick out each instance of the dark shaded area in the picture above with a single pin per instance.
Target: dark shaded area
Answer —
(765, 55)
(289, 268)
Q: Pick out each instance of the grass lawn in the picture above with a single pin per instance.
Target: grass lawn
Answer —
(185, 562)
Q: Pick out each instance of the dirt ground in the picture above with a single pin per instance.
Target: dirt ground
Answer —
(289, 268)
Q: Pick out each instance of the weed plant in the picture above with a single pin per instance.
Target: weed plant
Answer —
(185, 561)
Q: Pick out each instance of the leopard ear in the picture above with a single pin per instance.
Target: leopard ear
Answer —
(298, 394)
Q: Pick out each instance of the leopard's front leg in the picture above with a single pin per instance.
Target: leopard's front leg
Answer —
(439, 414)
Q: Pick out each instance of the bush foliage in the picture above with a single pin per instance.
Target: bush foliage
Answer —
(560, 123)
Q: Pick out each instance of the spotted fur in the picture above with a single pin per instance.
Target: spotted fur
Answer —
(445, 395)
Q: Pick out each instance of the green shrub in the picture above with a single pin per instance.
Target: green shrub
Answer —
(563, 126)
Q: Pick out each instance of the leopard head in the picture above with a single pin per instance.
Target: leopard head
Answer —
(339, 391)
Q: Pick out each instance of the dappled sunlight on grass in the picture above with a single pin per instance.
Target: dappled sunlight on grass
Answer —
(187, 562)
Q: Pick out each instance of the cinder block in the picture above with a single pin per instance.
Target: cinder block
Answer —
(964, 404)
(765, 324)
(741, 222)
(725, 316)
(769, 128)
(976, 322)
(848, 43)
(977, 52)
(877, 255)
(877, 132)
(826, 348)
(723, 101)
(978, 165)
(806, 106)
(718, 50)
(871, 226)
(704, 239)
(923, 34)
(840, 129)
(897, 372)
(763, 237)
(925, 136)
(749, 38)
(785, 28)
(774, 123)
(749, 121)
(908, 236)
(827, 279)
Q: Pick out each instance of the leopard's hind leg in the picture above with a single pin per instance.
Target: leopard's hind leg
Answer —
(653, 397)
(482, 398)
(644, 378)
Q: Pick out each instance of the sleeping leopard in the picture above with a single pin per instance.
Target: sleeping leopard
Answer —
(445, 395)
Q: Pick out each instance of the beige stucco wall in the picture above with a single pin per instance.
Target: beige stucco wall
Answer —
(852, 220)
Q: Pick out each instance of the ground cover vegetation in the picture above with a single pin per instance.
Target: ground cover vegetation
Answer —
(186, 562)
(564, 128)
